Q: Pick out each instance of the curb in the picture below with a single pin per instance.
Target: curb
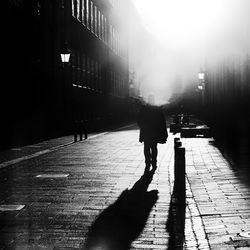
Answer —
(42, 152)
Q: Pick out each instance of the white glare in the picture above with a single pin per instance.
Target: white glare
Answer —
(201, 76)
(183, 23)
(185, 36)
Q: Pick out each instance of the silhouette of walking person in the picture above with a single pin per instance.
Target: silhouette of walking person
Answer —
(152, 124)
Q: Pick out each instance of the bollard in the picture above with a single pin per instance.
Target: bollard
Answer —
(178, 144)
(76, 128)
(179, 174)
(179, 193)
(176, 139)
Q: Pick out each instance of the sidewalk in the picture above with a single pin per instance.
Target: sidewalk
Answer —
(18, 154)
(90, 189)
(218, 199)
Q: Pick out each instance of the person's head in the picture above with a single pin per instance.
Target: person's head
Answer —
(151, 99)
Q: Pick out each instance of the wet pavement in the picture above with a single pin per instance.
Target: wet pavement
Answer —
(94, 194)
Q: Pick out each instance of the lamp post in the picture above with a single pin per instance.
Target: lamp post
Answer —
(65, 58)
(65, 55)
(201, 86)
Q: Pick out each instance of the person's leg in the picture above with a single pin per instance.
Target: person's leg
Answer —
(154, 153)
(147, 155)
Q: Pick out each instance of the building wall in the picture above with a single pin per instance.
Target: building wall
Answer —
(41, 96)
(99, 61)
(227, 101)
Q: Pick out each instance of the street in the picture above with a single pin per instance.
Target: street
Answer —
(94, 191)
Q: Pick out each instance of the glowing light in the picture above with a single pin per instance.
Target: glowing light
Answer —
(201, 76)
(182, 23)
(65, 57)
(200, 87)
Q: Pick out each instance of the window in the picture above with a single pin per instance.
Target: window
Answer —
(99, 24)
(91, 16)
(78, 9)
(82, 9)
(87, 13)
(74, 8)
(102, 21)
(96, 22)
(105, 30)
(84, 15)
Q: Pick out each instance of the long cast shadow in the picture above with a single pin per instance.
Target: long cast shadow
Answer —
(176, 220)
(238, 155)
(123, 221)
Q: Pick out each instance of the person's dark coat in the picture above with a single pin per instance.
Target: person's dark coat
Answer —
(152, 124)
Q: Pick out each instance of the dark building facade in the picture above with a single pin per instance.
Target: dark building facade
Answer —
(99, 72)
(226, 100)
(42, 96)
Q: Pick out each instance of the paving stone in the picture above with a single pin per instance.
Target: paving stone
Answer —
(222, 189)
(59, 213)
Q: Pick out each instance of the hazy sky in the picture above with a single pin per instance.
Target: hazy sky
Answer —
(185, 24)
(195, 31)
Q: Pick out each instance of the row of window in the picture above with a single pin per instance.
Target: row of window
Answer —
(86, 12)
(115, 41)
(229, 80)
(89, 15)
(117, 84)
(86, 72)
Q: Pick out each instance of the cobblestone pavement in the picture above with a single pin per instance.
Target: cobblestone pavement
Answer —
(14, 155)
(218, 199)
(99, 184)
(59, 211)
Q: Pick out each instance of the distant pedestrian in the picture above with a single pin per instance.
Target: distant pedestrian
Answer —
(76, 130)
(80, 127)
(152, 124)
(83, 129)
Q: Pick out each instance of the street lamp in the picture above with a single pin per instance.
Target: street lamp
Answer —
(201, 75)
(201, 86)
(65, 55)
(65, 88)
